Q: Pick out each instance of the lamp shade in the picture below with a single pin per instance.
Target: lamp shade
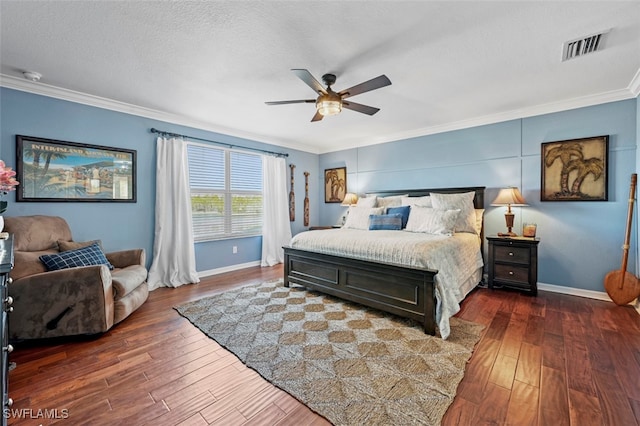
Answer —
(329, 107)
(509, 196)
(329, 104)
(349, 199)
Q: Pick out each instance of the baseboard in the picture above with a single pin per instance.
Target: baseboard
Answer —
(230, 268)
(599, 295)
(591, 294)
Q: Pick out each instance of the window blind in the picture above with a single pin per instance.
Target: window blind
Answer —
(226, 192)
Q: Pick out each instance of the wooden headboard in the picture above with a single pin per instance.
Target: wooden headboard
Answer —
(478, 199)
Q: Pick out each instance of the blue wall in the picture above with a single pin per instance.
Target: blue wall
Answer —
(580, 241)
(125, 225)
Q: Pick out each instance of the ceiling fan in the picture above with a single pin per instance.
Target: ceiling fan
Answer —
(330, 102)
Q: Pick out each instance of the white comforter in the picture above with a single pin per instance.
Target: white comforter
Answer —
(457, 258)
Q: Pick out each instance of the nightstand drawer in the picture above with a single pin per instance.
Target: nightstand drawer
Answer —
(511, 273)
(513, 263)
(512, 254)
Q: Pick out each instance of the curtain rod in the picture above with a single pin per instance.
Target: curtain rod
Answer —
(163, 133)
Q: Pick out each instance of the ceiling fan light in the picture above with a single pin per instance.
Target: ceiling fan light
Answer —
(328, 107)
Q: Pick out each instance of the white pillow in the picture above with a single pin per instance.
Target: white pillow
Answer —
(467, 218)
(432, 221)
(390, 201)
(479, 214)
(358, 217)
(417, 201)
(367, 201)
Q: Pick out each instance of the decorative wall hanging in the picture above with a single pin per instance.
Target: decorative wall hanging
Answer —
(292, 197)
(51, 170)
(622, 286)
(306, 198)
(335, 185)
(575, 170)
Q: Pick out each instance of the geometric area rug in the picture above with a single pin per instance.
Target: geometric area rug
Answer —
(351, 364)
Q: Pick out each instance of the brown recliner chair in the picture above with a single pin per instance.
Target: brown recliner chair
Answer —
(74, 301)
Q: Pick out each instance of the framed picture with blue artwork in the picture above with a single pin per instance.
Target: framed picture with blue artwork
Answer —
(51, 170)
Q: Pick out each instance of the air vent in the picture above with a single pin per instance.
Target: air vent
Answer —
(584, 45)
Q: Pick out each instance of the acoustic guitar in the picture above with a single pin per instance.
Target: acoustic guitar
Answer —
(622, 286)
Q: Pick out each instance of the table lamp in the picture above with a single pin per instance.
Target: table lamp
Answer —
(349, 199)
(509, 197)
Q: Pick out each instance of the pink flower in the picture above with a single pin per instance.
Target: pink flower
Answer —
(7, 180)
(7, 183)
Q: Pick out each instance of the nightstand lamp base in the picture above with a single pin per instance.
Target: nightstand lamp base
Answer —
(509, 197)
(508, 216)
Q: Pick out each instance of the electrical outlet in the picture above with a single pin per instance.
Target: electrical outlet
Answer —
(235, 250)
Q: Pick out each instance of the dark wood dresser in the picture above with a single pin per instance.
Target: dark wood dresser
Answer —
(513, 263)
(6, 263)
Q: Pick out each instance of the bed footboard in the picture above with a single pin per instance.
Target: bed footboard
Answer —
(405, 292)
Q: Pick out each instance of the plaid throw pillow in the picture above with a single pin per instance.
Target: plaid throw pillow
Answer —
(390, 222)
(85, 256)
(403, 210)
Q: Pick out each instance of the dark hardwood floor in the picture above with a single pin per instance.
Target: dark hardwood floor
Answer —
(546, 360)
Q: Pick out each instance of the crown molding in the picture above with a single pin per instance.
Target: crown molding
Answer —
(632, 91)
(634, 86)
(44, 89)
(580, 102)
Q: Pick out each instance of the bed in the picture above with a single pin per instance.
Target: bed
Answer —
(409, 289)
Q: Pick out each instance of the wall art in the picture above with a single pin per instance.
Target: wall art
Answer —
(575, 170)
(306, 199)
(292, 197)
(51, 170)
(335, 185)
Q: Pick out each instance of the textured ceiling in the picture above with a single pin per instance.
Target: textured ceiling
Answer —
(214, 64)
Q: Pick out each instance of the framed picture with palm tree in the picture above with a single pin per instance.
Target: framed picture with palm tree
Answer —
(575, 170)
(335, 185)
(51, 170)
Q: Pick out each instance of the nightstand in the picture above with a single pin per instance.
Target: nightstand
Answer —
(513, 263)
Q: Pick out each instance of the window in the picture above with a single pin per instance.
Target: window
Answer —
(226, 192)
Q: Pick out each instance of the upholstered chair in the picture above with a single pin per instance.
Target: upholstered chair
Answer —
(71, 301)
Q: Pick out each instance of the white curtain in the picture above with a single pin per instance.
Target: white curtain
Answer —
(276, 230)
(174, 260)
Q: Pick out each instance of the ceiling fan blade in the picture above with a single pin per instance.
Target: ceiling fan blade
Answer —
(300, 101)
(365, 109)
(306, 76)
(374, 83)
(317, 117)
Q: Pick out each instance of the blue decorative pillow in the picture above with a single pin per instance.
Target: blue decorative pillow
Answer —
(390, 222)
(404, 211)
(85, 256)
